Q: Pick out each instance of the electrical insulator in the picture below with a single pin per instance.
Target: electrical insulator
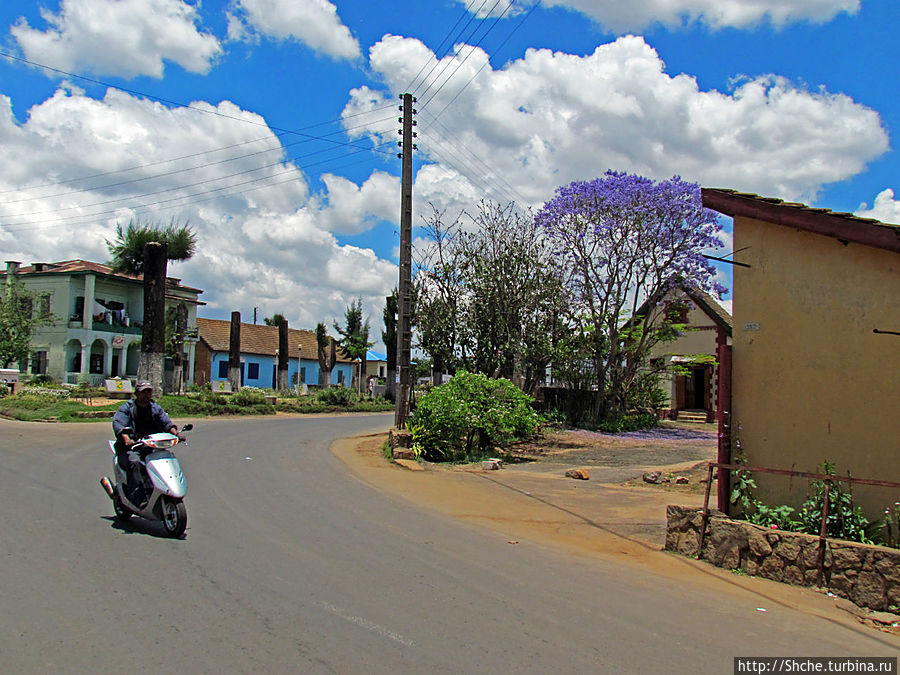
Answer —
(400, 120)
(415, 135)
(399, 155)
(415, 123)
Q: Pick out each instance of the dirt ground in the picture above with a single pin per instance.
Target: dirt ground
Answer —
(614, 515)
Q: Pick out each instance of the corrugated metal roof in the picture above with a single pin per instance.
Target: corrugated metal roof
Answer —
(837, 224)
(260, 339)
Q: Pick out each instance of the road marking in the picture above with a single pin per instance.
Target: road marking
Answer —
(368, 625)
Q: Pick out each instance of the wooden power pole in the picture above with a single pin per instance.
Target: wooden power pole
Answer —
(404, 330)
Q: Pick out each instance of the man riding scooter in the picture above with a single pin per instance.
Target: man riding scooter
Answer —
(135, 419)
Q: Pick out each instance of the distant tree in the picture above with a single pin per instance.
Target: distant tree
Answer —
(176, 327)
(514, 294)
(327, 355)
(145, 250)
(622, 241)
(17, 322)
(355, 335)
(440, 294)
(275, 320)
(389, 337)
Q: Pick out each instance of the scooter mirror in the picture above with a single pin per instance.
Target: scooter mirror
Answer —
(187, 427)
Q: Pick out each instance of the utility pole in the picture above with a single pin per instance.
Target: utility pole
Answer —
(404, 331)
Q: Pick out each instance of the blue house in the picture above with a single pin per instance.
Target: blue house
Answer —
(259, 356)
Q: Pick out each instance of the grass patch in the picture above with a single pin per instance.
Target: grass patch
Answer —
(50, 405)
(29, 408)
(312, 404)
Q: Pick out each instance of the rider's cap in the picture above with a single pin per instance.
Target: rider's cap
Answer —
(140, 386)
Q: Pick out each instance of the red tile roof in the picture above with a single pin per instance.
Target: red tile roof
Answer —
(260, 339)
(83, 266)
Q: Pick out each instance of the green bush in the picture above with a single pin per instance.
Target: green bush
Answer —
(845, 519)
(248, 397)
(630, 422)
(340, 396)
(470, 415)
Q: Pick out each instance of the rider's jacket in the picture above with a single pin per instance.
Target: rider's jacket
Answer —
(127, 416)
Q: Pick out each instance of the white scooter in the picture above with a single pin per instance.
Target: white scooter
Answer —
(161, 478)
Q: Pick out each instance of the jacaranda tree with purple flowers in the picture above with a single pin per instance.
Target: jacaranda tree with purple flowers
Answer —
(623, 241)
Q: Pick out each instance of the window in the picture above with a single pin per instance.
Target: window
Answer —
(96, 366)
(340, 379)
(303, 375)
(223, 369)
(39, 363)
(45, 306)
(252, 371)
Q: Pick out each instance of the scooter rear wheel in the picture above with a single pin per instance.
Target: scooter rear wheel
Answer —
(174, 517)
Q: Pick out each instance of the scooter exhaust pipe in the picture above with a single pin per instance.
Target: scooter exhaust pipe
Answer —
(107, 486)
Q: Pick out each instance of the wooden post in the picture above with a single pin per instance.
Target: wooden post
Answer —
(153, 337)
(705, 520)
(234, 353)
(404, 332)
(823, 533)
(283, 356)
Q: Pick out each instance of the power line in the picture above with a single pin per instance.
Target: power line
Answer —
(18, 227)
(186, 169)
(465, 12)
(471, 51)
(195, 154)
(437, 60)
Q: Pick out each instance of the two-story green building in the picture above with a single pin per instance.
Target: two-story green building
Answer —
(97, 320)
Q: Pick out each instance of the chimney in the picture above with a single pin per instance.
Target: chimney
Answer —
(12, 268)
(38, 267)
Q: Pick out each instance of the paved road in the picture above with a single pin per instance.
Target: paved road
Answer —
(292, 565)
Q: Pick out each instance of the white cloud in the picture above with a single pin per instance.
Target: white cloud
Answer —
(119, 37)
(268, 248)
(549, 118)
(886, 208)
(356, 208)
(621, 16)
(312, 22)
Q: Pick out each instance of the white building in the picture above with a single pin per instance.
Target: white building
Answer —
(97, 320)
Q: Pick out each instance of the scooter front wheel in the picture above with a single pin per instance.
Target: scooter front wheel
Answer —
(174, 516)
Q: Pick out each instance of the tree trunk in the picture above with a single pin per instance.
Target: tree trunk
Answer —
(437, 370)
(234, 352)
(180, 328)
(283, 356)
(153, 338)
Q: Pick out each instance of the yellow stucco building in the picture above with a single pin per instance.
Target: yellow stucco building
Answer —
(816, 345)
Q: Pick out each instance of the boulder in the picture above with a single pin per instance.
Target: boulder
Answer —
(578, 474)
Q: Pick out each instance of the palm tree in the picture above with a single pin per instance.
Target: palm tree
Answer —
(141, 249)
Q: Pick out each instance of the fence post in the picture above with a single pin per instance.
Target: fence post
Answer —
(823, 533)
(705, 520)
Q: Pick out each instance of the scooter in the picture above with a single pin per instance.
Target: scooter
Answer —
(161, 478)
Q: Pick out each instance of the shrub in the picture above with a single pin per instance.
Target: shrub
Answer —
(630, 422)
(248, 396)
(845, 519)
(340, 396)
(471, 414)
(4, 390)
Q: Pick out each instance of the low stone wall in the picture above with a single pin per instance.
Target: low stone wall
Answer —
(867, 575)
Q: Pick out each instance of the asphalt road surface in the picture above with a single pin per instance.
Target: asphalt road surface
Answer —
(291, 564)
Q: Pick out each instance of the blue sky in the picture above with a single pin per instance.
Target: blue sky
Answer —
(271, 125)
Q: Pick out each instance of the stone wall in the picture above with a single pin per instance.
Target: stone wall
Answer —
(867, 575)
